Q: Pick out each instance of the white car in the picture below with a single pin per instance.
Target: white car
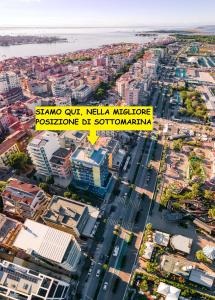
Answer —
(105, 286)
(98, 273)
(116, 251)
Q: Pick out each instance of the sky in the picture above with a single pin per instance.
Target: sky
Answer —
(81, 13)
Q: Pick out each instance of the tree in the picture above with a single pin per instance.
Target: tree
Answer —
(196, 190)
(144, 286)
(44, 186)
(211, 213)
(209, 195)
(67, 194)
(201, 256)
(18, 161)
(177, 145)
(149, 227)
(2, 185)
(151, 267)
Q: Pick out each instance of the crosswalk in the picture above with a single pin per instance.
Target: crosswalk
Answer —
(124, 224)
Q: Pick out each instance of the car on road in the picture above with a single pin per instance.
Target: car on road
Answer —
(116, 251)
(98, 273)
(89, 272)
(105, 286)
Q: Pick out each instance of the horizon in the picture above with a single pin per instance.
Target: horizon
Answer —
(139, 13)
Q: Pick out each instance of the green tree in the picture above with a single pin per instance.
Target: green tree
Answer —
(196, 192)
(44, 186)
(144, 286)
(67, 194)
(151, 267)
(2, 185)
(18, 161)
(201, 256)
(209, 195)
(177, 145)
(211, 213)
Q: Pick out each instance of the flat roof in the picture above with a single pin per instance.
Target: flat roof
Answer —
(202, 278)
(7, 227)
(174, 265)
(181, 243)
(148, 250)
(46, 241)
(64, 211)
(94, 157)
(161, 238)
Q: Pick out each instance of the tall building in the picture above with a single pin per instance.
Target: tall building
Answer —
(90, 169)
(10, 88)
(41, 149)
(122, 84)
(49, 245)
(22, 199)
(71, 216)
(8, 81)
(19, 283)
(133, 93)
(61, 167)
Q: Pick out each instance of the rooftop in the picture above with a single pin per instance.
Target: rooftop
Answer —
(181, 243)
(7, 228)
(47, 242)
(161, 238)
(202, 278)
(23, 186)
(171, 264)
(171, 292)
(17, 279)
(59, 155)
(148, 250)
(94, 157)
(7, 144)
(64, 211)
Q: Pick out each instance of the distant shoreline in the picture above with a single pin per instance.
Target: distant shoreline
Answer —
(9, 40)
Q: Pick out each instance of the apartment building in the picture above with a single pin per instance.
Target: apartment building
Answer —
(10, 88)
(50, 245)
(81, 92)
(70, 216)
(20, 283)
(61, 167)
(41, 149)
(22, 199)
(8, 81)
(90, 169)
(7, 148)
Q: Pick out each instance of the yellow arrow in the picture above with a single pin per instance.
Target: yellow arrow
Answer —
(92, 137)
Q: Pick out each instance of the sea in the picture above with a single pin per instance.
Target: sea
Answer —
(77, 39)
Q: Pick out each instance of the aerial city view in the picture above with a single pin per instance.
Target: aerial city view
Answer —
(108, 214)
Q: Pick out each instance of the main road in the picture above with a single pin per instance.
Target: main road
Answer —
(129, 209)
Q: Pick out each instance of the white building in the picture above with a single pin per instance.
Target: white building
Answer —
(121, 85)
(202, 278)
(8, 81)
(57, 247)
(181, 243)
(134, 93)
(170, 292)
(81, 92)
(22, 199)
(161, 238)
(19, 283)
(41, 149)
